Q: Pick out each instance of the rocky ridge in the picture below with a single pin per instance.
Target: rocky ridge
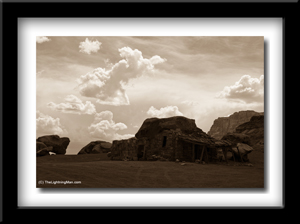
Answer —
(251, 133)
(224, 125)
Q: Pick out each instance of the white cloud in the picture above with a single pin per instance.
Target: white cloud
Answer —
(47, 125)
(88, 46)
(247, 90)
(73, 105)
(107, 86)
(42, 39)
(164, 112)
(104, 128)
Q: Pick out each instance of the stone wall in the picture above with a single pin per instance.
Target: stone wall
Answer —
(124, 149)
(154, 148)
(157, 146)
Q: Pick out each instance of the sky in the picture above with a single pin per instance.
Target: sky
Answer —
(92, 88)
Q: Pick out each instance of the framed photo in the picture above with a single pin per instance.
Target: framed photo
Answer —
(97, 82)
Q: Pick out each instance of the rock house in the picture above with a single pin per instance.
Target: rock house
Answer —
(174, 138)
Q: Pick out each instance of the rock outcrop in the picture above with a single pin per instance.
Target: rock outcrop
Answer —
(44, 151)
(251, 133)
(235, 138)
(255, 130)
(223, 125)
(40, 145)
(59, 144)
(153, 126)
(96, 147)
(241, 151)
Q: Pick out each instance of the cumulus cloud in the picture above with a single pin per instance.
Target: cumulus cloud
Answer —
(48, 125)
(105, 128)
(107, 86)
(73, 105)
(164, 112)
(42, 39)
(247, 90)
(88, 46)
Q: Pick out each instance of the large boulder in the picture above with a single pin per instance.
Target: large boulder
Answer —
(96, 147)
(153, 126)
(235, 138)
(223, 125)
(59, 144)
(44, 151)
(40, 145)
(255, 130)
(244, 148)
(241, 152)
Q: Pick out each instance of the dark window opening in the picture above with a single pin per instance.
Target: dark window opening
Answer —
(140, 152)
(164, 141)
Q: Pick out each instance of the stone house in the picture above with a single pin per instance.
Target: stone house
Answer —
(170, 139)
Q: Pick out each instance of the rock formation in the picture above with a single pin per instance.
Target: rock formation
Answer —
(255, 130)
(40, 145)
(241, 151)
(96, 147)
(59, 144)
(44, 151)
(251, 133)
(153, 126)
(223, 125)
(235, 138)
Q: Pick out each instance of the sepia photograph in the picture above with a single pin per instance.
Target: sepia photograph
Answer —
(150, 112)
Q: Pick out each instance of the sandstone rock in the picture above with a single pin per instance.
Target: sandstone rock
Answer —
(106, 145)
(153, 126)
(44, 151)
(235, 138)
(255, 130)
(244, 148)
(40, 145)
(223, 125)
(59, 144)
(241, 152)
(96, 147)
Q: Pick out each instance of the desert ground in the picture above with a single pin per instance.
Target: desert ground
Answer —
(98, 171)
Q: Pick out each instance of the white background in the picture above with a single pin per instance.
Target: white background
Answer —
(270, 28)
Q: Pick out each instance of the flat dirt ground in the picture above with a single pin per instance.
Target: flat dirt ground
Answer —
(98, 171)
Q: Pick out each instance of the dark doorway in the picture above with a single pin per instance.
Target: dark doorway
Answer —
(140, 152)
(197, 152)
(164, 141)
